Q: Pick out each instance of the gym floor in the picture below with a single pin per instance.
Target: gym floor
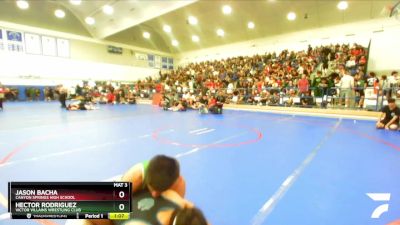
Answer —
(240, 167)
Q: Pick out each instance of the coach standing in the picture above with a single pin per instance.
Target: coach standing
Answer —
(62, 96)
(346, 86)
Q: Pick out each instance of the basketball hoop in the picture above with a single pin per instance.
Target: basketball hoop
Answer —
(395, 11)
(392, 10)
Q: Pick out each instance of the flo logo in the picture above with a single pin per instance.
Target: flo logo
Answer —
(380, 197)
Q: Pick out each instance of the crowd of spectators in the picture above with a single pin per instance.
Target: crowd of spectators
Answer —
(100, 93)
(334, 74)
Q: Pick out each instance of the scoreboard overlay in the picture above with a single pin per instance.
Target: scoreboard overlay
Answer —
(69, 200)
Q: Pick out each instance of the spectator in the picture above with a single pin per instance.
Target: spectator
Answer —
(303, 85)
(63, 96)
(393, 80)
(306, 100)
(360, 85)
(213, 106)
(346, 86)
(384, 85)
(316, 84)
(389, 118)
(324, 88)
(51, 94)
(2, 94)
(371, 81)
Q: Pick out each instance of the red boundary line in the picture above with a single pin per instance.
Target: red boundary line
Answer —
(358, 133)
(24, 145)
(156, 136)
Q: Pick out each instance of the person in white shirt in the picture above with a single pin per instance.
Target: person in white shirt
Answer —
(179, 89)
(230, 88)
(300, 70)
(191, 85)
(346, 86)
(384, 85)
(351, 63)
(393, 79)
(184, 88)
(187, 96)
(167, 88)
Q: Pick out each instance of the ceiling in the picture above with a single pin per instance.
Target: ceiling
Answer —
(132, 17)
(41, 14)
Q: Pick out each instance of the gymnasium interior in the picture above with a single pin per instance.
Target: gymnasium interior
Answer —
(277, 112)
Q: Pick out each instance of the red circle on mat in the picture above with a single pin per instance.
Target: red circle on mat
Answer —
(258, 137)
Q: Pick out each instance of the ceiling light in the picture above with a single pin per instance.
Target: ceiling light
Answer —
(251, 25)
(22, 4)
(342, 5)
(90, 20)
(167, 28)
(195, 38)
(59, 13)
(175, 43)
(226, 9)
(75, 2)
(291, 16)
(146, 35)
(220, 32)
(192, 20)
(107, 9)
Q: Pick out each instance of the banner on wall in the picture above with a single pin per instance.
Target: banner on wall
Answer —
(1, 40)
(170, 63)
(140, 56)
(49, 46)
(32, 44)
(14, 40)
(164, 63)
(150, 59)
(63, 48)
(157, 62)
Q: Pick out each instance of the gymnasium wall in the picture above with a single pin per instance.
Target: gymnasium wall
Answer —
(383, 33)
(88, 60)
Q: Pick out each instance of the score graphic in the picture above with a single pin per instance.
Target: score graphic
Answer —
(69, 200)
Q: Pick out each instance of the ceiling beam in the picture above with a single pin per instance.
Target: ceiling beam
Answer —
(146, 13)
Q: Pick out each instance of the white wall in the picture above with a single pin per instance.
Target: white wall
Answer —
(54, 70)
(385, 50)
(89, 60)
(385, 46)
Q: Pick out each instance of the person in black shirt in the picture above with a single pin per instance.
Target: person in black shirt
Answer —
(203, 106)
(81, 105)
(166, 102)
(63, 97)
(389, 118)
(204, 100)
